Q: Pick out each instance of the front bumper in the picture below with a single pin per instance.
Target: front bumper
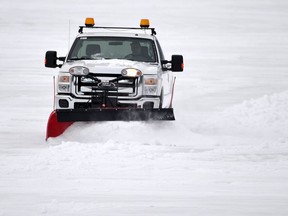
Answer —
(70, 102)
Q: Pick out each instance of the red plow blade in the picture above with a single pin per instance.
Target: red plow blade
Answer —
(54, 127)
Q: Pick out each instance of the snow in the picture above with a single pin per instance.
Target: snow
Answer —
(226, 153)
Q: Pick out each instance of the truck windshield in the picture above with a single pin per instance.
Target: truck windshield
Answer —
(97, 48)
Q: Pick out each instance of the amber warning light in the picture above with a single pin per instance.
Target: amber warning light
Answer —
(144, 23)
(89, 22)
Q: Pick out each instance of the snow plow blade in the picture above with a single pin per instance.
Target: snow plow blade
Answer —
(60, 120)
(72, 115)
(54, 127)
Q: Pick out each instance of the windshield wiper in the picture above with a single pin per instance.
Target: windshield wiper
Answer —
(82, 58)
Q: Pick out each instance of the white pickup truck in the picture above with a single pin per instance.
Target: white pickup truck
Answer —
(113, 73)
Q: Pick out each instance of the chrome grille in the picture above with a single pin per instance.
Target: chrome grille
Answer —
(113, 85)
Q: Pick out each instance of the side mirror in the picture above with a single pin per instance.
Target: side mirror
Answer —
(177, 64)
(51, 59)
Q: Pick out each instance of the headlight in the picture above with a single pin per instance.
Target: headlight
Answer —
(131, 72)
(150, 90)
(64, 83)
(150, 81)
(150, 85)
(64, 79)
(63, 88)
(79, 71)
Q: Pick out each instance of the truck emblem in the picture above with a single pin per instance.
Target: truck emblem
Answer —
(106, 84)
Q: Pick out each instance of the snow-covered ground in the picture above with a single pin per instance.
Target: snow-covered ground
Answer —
(227, 152)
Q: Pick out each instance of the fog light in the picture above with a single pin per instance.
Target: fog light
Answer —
(148, 105)
(63, 103)
(131, 72)
(79, 71)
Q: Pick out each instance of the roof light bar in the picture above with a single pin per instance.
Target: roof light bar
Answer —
(144, 24)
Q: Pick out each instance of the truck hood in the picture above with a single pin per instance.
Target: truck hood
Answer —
(114, 66)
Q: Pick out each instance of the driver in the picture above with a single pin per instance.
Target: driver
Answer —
(136, 54)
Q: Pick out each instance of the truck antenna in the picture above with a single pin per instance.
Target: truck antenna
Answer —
(69, 35)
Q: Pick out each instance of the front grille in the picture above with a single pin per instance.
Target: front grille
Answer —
(105, 90)
(113, 85)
